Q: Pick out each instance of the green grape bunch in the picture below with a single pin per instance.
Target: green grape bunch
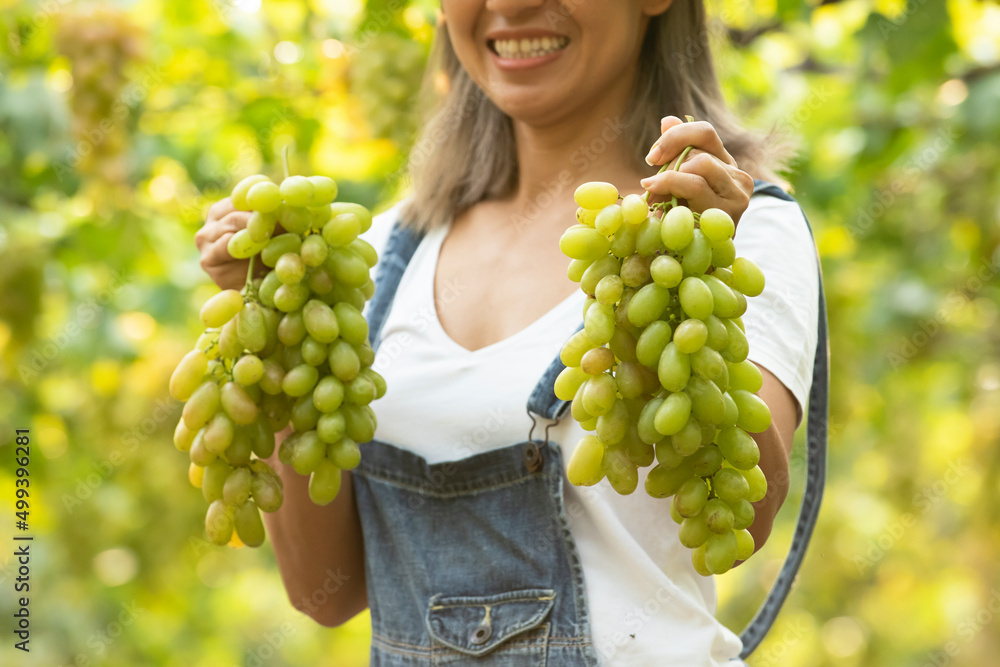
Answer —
(660, 372)
(290, 348)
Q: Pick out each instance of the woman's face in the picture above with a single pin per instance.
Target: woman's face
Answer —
(539, 60)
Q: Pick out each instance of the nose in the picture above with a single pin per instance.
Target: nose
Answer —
(513, 7)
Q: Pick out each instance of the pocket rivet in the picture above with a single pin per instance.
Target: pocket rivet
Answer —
(532, 457)
(481, 634)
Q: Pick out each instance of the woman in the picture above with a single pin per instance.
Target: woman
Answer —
(461, 535)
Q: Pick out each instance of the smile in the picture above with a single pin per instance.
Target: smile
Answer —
(523, 49)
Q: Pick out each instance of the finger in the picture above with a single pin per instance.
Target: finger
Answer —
(213, 230)
(668, 122)
(217, 253)
(699, 134)
(220, 208)
(692, 187)
(718, 175)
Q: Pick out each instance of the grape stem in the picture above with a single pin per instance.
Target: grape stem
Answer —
(248, 290)
(284, 159)
(677, 167)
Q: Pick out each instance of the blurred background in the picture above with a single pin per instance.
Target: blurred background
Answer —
(121, 122)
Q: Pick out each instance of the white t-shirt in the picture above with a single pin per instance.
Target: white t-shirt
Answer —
(647, 604)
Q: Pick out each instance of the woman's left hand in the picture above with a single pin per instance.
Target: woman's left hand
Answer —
(708, 177)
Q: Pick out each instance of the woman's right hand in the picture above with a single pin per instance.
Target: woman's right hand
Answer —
(212, 241)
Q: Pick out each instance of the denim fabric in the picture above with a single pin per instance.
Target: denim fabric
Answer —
(472, 561)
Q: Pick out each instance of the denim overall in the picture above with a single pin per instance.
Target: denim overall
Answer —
(472, 561)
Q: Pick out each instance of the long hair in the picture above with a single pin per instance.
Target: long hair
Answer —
(466, 150)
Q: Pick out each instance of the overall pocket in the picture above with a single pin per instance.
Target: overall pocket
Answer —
(506, 628)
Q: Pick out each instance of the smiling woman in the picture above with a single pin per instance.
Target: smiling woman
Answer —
(459, 528)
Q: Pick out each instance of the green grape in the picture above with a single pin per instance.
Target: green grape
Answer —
(739, 448)
(261, 439)
(292, 328)
(730, 486)
(313, 352)
(673, 414)
(648, 239)
(347, 266)
(744, 545)
(663, 482)
(624, 242)
(183, 436)
(758, 483)
(268, 287)
(585, 467)
(248, 525)
(289, 298)
(359, 422)
(597, 361)
(324, 483)
(365, 249)
(279, 246)
(709, 364)
(266, 492)
(188, 375)
(218, 433)
(648, 305)
(324, 189)
(673, 368)
(629, 380)
(691, 497)
(716, 224)
(731, 413)
(580, 242)
(691, 335)
(297, 191)
(595, 195)
(295, 219)
(599, 269)
(342, 230)
(264, 196)
(688, 439)
(237, 404)
(613, 424)
(666, 455)
(319, 281)
(568, 382)
(599, 323)
(290, 268)
(351, 324)
(737, 348)
(213, 480)
(706, 461)
(344, 361)
(743, 513)
(313, 251)
(577, 267)
(586, 216)
(219, 523)
(304, 415)
(276, 411)
(720, 552)
(718, 335)
(677, 228)
(261, 226)
(694, 532)
(718, 516)
(237, 486)
(620, 471)
(364, 216)
(723, 253)
(646, 425)
(755, 416)
(239, 195)
(706, 400)
(695, 298)
(609, 220)
(747, 278)
(635, 271)
(623, 345)
(599, 394)
(745, 375)
(360, 391)
(666, 271)
(574, 348)
(204, 403)
(309, 451)
(652, 342)
(634, 209)
(320, 321)
(300, 380)
(724, 303)
(344, 453)
(377, 380)
(221, 308)
(251, 330)
(697, 255)
(331, 426)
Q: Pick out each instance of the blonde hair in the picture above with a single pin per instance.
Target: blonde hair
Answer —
(466, 151)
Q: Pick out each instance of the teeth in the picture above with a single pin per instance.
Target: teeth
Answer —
(529, 48)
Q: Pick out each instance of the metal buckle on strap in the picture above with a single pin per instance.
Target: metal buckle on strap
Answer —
(532, 451)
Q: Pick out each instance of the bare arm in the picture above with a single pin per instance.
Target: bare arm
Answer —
(319, 550)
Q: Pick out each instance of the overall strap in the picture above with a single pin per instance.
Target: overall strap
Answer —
(817, 423)
(398, 252)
